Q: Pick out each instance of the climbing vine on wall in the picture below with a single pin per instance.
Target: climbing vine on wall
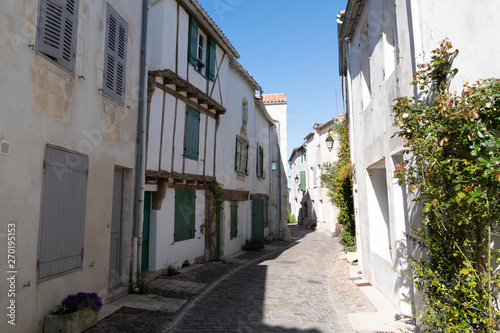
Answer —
(337, 178)
(453, 141)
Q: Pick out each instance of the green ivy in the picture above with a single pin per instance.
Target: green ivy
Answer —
(453, 141)
(337, 178)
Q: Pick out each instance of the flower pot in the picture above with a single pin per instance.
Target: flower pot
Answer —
(75, 322)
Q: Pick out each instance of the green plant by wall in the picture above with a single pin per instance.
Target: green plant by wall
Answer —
(140, 286)
(453, 141)
(291, 218)
(337, 178)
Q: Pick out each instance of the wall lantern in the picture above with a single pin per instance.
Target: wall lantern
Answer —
(297, 180)
(329, 143)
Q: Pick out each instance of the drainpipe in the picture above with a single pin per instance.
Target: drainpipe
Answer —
(278, 232)
(139, 162)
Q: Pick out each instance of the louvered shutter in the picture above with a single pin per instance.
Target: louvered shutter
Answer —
(211, 59)
(58, 28)
(115, 57)
(266, 213)
(193, 41)
(302, 180)
(246, 158)
(234, 219)
(184, 218)
(237, 155)
(62, 215)
(192, 134)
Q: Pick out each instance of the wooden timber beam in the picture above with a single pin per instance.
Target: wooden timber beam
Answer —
(169, 77)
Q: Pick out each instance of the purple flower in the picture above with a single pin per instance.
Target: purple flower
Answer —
(74, 303)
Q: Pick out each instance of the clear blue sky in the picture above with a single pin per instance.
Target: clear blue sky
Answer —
(289, 47)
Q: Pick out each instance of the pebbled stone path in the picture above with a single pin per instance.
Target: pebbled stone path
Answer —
(295, 290)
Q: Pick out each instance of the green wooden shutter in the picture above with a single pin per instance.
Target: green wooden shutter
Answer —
(192, 134)
(211, 59)
(302, 180)
(237, 155)
(184, 223)
(260, 162)
(246, 158)
(193, 41)
(234, 219)
(266, 213)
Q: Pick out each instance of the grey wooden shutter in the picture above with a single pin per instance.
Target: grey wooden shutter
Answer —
(184, 218)
(62, 216)
(115, 57)
(57, 31)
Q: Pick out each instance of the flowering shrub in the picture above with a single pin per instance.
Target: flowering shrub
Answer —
(337, 178)
(73, 303)
(453, 169)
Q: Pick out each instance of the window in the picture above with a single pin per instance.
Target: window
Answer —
(192, 134)
(241, 155)
(62, 213)
(57, 31)
(184, 219)
(234, 219)
(201, 50)
(260, 162)
(115, 57)
(302, 180)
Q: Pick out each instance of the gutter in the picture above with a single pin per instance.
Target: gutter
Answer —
(139, 162)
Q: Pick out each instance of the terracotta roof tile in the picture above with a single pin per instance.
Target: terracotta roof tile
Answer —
(273, 98)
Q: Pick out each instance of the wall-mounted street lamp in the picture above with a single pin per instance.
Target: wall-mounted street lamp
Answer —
(329, 143)
(297, 180)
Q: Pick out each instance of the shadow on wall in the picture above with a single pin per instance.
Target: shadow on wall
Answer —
(413, 219)
(308, 216)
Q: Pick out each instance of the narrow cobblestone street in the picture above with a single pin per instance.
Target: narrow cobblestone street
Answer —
(291, 291)
(303, 286)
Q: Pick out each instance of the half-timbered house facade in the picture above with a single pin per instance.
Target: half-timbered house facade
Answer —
(207, 142)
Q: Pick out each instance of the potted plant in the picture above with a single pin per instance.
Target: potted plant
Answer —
(75, 314)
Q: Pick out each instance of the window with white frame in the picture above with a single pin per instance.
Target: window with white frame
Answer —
(201, 50)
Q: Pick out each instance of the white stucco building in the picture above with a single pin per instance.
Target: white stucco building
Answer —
(69, 78)
(205, 124)
(276, 106)
(309, 201)
(380, 45)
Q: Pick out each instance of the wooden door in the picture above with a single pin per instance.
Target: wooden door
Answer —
(116, 231)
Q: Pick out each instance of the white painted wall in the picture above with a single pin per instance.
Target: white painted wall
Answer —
(278, 112)
(380, 238)
(230, 89)
(168, 252)
(42, 105)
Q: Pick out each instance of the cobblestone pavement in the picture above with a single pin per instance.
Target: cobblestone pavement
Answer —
(295, 290)
(302, 286)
